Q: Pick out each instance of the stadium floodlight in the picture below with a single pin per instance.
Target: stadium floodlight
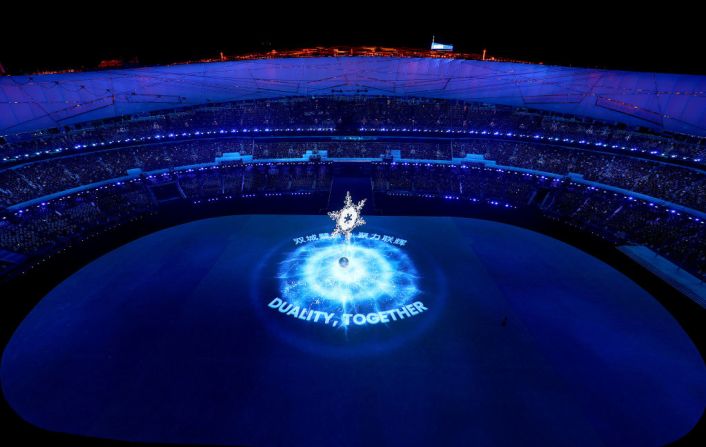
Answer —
(440, 46)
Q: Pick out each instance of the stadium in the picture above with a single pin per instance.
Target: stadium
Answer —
(353, 245)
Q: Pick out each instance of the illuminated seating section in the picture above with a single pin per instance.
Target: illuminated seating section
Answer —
(427, 135)
(352, 115)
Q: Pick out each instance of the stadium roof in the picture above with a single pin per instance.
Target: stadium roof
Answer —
(668, 102)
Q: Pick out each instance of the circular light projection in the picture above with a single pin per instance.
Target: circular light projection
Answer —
(360, 275)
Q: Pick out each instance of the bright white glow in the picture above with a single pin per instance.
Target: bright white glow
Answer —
(378, 276)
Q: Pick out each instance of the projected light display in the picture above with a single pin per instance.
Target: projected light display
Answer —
(343, 280)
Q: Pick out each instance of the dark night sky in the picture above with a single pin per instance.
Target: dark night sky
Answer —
(576, 34)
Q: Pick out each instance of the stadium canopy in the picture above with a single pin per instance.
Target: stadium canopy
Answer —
(670, 102)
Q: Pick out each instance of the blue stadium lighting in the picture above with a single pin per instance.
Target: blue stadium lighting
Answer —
(363, 129)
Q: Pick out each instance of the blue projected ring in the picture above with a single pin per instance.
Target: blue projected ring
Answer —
(363, 275)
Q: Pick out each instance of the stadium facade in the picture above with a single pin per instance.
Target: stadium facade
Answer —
(664, 102)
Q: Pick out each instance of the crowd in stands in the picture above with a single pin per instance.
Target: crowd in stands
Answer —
(349, 115)
(50, 226)
(675, 183)
(45, 228)
(618, 218)
(481, 184)
(32, 180)
(677, 236)
(106, 151)
(255, 178)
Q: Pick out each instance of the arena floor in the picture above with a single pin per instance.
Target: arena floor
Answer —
(471, 333)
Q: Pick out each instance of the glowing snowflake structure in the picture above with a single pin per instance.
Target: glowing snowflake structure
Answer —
(357, 277)
(348, 217)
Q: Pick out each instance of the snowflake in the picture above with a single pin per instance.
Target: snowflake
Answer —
(348, 217)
